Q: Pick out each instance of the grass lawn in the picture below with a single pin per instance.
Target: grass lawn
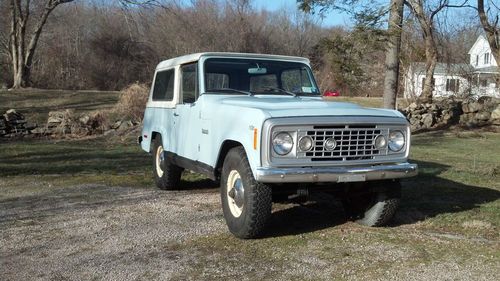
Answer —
(449, 213)
(367, 102)
(36, 104)
(447, 227)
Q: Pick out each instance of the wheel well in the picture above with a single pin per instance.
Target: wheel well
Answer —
(226, 146)
(153, 136)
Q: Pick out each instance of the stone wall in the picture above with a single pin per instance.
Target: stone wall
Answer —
(13, 124)
(68, 123)
(448, 112)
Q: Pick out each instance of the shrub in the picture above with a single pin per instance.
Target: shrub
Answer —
(132, 102)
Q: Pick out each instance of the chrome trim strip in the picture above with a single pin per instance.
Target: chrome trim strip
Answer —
(332, 174)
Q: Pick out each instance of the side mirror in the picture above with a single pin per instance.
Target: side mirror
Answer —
(332, 93)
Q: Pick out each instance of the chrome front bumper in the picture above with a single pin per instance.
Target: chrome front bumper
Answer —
(336, 174)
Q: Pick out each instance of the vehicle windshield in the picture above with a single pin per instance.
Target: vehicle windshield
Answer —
(258, 77)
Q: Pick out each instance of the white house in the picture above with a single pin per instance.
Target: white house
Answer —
(480, 77)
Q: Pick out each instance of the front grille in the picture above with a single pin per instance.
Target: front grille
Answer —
(353, 142)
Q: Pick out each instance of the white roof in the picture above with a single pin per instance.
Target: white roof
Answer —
(197, 56)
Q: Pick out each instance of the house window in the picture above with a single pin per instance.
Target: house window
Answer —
(477, 60)
(483, 83)
(487, 58)
(452, 85)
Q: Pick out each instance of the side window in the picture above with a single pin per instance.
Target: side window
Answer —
(216, 81)
(296, 80)
(164, 86)
(261, 82)
(189, 82)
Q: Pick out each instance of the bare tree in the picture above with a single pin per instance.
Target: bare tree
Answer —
(22, 54)
(491, 26)
(391, 79)
(426, 15)
(426, 21)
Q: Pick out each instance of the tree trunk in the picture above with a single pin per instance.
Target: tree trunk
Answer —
(431, 52)
(391, 80)
(22, 56)
(492, 31)
(430, 66)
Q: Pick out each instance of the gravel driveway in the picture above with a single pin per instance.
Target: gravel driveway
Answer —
(93, 231)
(98, 232)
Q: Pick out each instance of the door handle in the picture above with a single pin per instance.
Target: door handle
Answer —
(175, 114)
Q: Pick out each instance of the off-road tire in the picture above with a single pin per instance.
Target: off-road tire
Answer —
(170, 177)
(257, 202)
(375, 208)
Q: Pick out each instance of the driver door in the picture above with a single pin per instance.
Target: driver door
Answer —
(187, 113)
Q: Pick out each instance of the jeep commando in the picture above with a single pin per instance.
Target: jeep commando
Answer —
(259, 125)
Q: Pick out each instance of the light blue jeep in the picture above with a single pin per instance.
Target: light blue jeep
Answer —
(259, 125)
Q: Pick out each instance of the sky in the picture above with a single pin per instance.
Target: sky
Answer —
(331, 18)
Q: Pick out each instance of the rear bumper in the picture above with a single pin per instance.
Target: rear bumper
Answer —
(336, 174)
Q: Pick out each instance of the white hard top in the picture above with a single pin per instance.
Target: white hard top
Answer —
(197, 56)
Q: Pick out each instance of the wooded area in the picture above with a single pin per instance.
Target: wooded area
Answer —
(107, 45)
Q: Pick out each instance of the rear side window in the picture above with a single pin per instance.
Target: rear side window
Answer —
(189, 83)
(164, 85)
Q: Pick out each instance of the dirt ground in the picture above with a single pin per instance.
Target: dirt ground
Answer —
(98, 232)
(90, 231)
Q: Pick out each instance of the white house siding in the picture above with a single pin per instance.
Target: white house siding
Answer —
(477, 53)
(415, 87)
(483, 74)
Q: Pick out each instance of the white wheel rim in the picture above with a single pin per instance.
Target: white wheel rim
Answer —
(159, 160)
(235, 201)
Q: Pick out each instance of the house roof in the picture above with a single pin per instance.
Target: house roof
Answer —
(479, 38)
(444, 68)
(489, 69)
(197, 56)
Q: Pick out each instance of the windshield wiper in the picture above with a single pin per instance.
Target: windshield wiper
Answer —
(231, 90)
(281, 90)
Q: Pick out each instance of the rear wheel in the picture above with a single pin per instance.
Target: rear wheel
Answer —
(167, 175)
(246, 204)
(373, 208)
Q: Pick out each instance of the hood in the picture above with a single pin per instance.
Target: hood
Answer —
(286, 106)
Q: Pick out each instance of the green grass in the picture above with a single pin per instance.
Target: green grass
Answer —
(36, 104)
(459, 176)
(363, 101)
(449, 214)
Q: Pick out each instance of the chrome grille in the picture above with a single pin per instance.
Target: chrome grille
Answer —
(353, 142)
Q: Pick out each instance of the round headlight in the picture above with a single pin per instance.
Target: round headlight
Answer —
(396, 141)
(380, 142)
(305, 143)
(282, 143)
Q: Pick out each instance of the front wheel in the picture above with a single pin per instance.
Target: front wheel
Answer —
(374, 208)
(246, 204)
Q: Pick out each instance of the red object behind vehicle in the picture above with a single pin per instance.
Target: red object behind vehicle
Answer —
(329, 93)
